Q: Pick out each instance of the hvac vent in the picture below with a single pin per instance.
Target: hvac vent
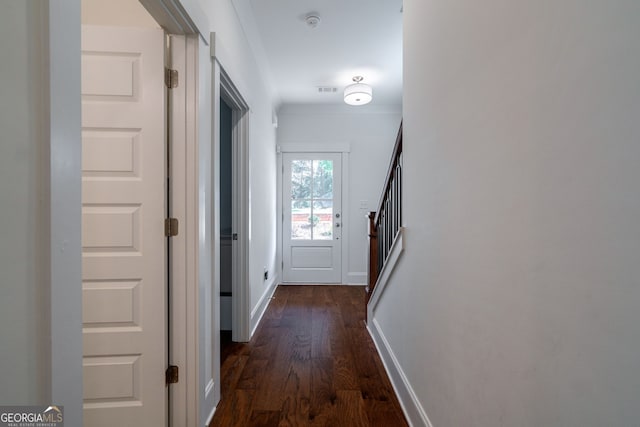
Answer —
(326, 89)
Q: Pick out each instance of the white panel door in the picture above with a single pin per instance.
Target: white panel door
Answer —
(124, 258)
(311, 241)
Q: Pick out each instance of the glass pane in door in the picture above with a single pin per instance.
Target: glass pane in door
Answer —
(301, 219)
(322, 219)
(312, 199)
(301, 179)
(323, 179)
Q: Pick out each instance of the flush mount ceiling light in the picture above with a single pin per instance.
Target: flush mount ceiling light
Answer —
(358, 93)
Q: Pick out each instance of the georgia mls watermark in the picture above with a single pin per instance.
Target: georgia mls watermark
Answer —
(31, 416)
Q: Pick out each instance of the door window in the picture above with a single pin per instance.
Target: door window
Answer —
(312, 200)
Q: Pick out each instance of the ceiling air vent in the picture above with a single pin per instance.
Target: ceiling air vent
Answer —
(327, 89)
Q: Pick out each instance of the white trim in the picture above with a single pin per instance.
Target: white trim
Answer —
(356, 278)
(397, 247)
(293, 147)
(215, 244)
(241, 291)
(224, 87)
(178, 18)
(261, 307)
(185, 203)
(209, 386)
(210, 417)
(279, 215)
(186, 23)
(60, 133)
(192, 139)
(413, 410)
(184, 246)
(292, 109)
(346, 217)
(208, 364)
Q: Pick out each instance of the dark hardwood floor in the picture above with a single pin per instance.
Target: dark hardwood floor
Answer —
(311, 362)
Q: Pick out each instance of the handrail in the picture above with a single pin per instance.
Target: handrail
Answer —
(395, 155)
(385, 223)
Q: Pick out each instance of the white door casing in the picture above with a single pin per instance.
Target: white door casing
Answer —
(312, 217)
(123, 209)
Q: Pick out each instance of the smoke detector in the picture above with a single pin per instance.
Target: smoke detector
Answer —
(312, 20)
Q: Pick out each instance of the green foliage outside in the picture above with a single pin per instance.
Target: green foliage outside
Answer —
(311, 180)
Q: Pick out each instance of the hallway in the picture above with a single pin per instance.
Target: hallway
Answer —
(311, 362)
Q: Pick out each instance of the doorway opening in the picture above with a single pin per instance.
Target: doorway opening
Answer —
(226, 228)
(233, 211)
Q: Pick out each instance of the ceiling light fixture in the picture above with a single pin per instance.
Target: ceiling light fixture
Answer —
(358, 93)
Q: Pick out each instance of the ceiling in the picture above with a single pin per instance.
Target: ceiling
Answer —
(354, 37)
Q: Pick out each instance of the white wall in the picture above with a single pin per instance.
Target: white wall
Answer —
(40, 312)
(371, 132)
(24, 293)
(516, 300)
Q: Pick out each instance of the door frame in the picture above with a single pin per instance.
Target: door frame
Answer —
(344, 150)
(223, 87)
(183, 205)
(60, 130)
(192, 308)
(185, 397)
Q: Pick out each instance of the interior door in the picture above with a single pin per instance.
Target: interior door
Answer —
(312, 196)
(124, 259)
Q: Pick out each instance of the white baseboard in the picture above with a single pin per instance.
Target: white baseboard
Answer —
(356, 278)
(210, 417)
(397, 248)
(261, 307)
(413, 411)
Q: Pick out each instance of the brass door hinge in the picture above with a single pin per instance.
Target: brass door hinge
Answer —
(171, 376)
(171, 227)
(171, 78)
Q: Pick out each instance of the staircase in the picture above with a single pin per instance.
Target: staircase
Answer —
(385, 223)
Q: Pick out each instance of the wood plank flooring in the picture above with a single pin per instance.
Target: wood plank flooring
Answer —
(311, 362)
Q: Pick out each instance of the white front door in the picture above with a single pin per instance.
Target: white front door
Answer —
(312, 196)
(124, 259)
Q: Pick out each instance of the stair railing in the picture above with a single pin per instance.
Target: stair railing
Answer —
(385, 223)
